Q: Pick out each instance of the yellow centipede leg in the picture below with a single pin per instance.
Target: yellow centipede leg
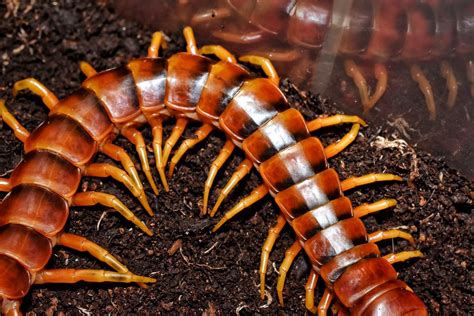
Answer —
(36, 87)
(425, 87)
(87, 69)
(266, 65)
(20, 132)
(309, 289)
(176, 133)
(5, 185)
(191, 46)
(290, 256)
(273, 234)
(136, 138)
(219, 51)
(156, 123)
(353, 182)
(242, 170)
(451, 82)
(257, 194)
(402, 256)
(199, 136)
(87, 275)
(353, 71)
(381, 75)
(224, 154)
(325, 302)
(390, 234)
(157, 40)
(345, 141)
(365, 209)
(337, 119)
(93, 198)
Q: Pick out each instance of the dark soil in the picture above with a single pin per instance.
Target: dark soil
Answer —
(218, 273)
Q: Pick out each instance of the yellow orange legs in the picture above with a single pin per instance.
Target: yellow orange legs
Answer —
(119, 154)
(257, 194)
(93, 198)
(309, 289)
(136, 138)
(325, 302)
(265, 64)
(353, 182)
(273, 234)
(157, 40)
(199, 136)
(451, 82)
(365, 209)
(219, 51)
(191, 46)
(20, 132)
(87, 275)
(333, 149)
(402, 256)
(242, 170)
(176, 133)
(156, 123)
(380, 72)
(87, 69)
(5, 185)
(425, 87)
(390, 234)
(103, 170)
(224, 154)
(290, 256)
(36, 87)
(337, 119)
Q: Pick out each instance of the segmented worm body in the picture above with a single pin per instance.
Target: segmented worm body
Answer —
(254, 115)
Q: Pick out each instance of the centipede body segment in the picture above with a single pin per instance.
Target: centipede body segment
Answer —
(254, 115)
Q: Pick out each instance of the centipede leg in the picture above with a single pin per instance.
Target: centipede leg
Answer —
(103, 170)
(199, 136)
(157, 41)
(20, 132)
(191, 46)
(451, 82)
(119, 154)
(242, 170)
(224, 154)
(93, 198)
(390, 234)
(157, 132)
(470, 75)
(309, 289)
(425, 87)
(402, 256)
(345, 141)
(36, 87)
(353, 71)
(290, 256)
(365, 209)
(10, 307)
(219, 51)
(5, 185)
(87, 69)
(88, 275)
(176, 133)
(325, 302)
(337, 119)
(265, 64)
(136, 138)
(273, 234)
(257, 194)
(353, 182)
(380, 72)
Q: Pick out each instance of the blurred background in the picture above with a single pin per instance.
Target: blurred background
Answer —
(408, 63)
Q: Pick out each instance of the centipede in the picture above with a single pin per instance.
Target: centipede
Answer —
(363, 34)
(254, 115)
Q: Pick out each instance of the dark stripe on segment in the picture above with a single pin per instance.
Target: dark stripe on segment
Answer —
(115, 88)
(35, 207)
(150, 79)
(84, 107)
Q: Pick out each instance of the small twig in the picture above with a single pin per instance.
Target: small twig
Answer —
(212, 247)
(269, 300)
(104, 214)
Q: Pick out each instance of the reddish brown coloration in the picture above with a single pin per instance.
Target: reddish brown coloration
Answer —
(253, 113)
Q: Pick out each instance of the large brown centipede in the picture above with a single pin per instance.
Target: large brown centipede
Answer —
(254, 115)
